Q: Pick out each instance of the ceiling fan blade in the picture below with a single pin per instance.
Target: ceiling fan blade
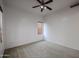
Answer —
(36, 6)
(42, 9)
(77, 4)
(48, 8)
(39, 1)
(49, 1)
(42, 1)
(1, 9)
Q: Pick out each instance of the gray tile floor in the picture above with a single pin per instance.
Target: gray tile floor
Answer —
(42, 49)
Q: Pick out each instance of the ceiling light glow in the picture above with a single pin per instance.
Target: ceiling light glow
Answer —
(42, 6)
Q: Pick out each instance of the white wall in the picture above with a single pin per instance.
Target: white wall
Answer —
(1, 43)
(1, 32)
(20, 27)
(62, 27)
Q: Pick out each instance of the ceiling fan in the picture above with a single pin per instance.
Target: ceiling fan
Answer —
(43, 5)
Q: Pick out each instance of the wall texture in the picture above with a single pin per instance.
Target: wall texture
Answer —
(62, 27)
(2, 45)
(20, 27)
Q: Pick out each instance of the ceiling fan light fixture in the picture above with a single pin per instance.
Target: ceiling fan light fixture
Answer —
(45, 8)
(41, 6)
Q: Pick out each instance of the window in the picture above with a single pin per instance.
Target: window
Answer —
(40, 27)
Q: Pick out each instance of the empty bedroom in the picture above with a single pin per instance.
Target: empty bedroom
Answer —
(39, 28)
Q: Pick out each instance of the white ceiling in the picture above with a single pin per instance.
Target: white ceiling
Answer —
(27, 5)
